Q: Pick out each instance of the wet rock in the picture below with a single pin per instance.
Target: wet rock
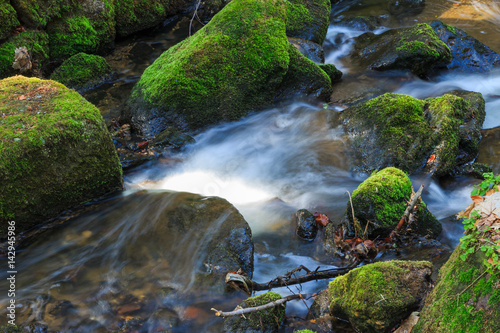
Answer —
(438, 134)
(321, 304)
(54, 157)
(379, 203)
(163, 320)
(265, 321)
(306, 225)
(417, 49)
(406, 8)
(303, 78)
(361, 23)
(212, 77)
(82, 72)
(308, 19)
(172, 138)
(468, 54)
(466, 296)
(63, 308)
(310, 50)
(376, 297)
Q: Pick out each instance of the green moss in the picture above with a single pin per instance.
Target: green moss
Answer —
(7, 51)
(10, 329)
(8, 17)
(308, 19)
(377, 296)
(136, 15)
(447, 114)
(304, 331)
(228, 68)
(55, 151)
(38, 13)
(268, 320)
(464, 299)
(79, 32)
(450, 28)
(333, 73)
(82, 71)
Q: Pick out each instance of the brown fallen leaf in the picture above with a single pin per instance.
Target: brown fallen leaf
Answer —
(477, 198)
(21, 98)
(321, 219)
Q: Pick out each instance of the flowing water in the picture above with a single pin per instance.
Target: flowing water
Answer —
(107, 268)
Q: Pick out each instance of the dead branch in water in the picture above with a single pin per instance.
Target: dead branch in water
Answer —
(242, 282)
(241, 311)
(409, 209)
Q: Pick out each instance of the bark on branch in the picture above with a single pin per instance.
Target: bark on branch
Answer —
(409, 209)
(269, 305)
(242, 282)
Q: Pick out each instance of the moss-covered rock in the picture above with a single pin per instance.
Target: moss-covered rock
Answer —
(468, 54)
(417, 49)
(38, 13)
(8, 17)
(439, 134)
(265, 321)
(333, 73)
(465, 298)
(89, 28)
(308, 19)
(233, 65)
(37, 42)
(310, 50)
(137, 15)
(303, 77)
(380, 202)
(376, 297)
(82, 71)
(55, 151)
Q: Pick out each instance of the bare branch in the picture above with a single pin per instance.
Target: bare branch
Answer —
(409, 209)
(269, 305)
(287, 279)
(195, 14)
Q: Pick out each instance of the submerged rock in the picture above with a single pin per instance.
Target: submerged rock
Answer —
(264, 321)
(417, 49)
(308, 19)
(468, 54)
(406, 8)
(82, 71)
(233, 65)
(380, 201)
(376, 297)
(55, 151)
(439, 133)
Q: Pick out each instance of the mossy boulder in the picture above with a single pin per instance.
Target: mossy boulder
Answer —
(8, 17)
(308, 19)
(376, 297)
(89, 28)
(136, 15)
(55, 152)
(466, 297)
(233, 65)
(438, 134)
(468, 54)
(417, 49)
(333, 73)
(35, 41)
(310, 50)
(38, 13)
(82, 71)
(265, 321)
(380, 202)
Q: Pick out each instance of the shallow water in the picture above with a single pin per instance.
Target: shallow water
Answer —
(268, 165)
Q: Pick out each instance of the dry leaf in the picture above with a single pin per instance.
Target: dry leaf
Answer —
(490, 261)
(431, 159)
(477, 198)
(21, 98)
(321, 219)
(490, 191)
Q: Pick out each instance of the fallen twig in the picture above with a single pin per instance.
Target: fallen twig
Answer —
(269, 305)
(354, 221)
(409, 209)
(288, 279)
(195, 14)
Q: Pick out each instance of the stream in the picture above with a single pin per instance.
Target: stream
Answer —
(98, 272)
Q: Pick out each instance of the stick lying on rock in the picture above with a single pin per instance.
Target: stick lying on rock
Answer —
(409, 209)
(242, 282)
(240, 311)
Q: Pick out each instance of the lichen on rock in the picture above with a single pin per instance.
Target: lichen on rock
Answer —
(55, 150)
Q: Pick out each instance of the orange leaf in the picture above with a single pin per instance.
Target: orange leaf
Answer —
(127, 308)
(21, 98)
(142, 145)
(490, 191)
(490, 261)
(477, 198)
(322, 219)
(431, 159)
